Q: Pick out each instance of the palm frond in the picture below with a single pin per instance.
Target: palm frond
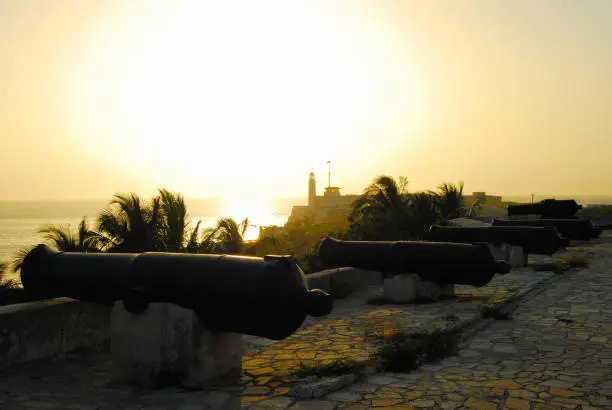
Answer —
(174, 214)
(113, 224)
(450, 200)
(192, 243)
(228, 237)
(100, 241)
(17, 261)
(60, 237)
(208, 243)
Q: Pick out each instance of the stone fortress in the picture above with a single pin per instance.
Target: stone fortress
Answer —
(332, 204)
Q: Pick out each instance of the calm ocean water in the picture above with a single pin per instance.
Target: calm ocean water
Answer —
(21, 220)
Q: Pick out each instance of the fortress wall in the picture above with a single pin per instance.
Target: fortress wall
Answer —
(51, 328)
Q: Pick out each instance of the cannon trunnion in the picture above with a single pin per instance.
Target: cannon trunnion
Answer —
(577, 229)
(544, 240)
(265, 297)
(457, 263)
(547, 209)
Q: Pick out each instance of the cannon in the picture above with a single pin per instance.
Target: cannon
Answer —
(547, 209)
(457, 263)
(576, 229)
(265, 297)
(540, 240)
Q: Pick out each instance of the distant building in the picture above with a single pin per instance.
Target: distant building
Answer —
(331, 204)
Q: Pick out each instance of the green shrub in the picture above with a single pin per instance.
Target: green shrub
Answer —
(495, 312)
(336, 368)
(563, 265)
(404, 352)
(577, 261)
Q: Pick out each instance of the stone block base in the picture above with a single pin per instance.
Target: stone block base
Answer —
(341, 282)
(514, 255)
(166, 345)
(407, 287)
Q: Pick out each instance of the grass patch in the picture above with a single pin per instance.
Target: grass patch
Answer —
(399, 352)
(495, 312)
(336, 368)
(577, 261)
(563, 265)
(403, 352)
(557, 267)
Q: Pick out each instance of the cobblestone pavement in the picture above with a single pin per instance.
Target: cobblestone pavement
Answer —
(507, 364)
(555, 353)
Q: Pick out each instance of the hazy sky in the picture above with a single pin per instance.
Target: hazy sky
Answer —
(246, 98)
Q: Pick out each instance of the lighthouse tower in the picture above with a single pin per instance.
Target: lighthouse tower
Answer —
(312, 190)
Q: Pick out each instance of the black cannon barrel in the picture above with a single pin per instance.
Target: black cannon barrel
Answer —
(459, 263)
(540, 240)
(265, 297)
(577, 229)
(547, 209)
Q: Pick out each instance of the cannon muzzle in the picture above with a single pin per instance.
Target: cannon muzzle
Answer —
(265, 297)
(458, 263)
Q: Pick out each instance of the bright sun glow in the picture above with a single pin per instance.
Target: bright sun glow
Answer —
(259, 213)
(217, 89)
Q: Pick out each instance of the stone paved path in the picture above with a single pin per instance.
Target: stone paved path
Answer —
(513, 360)
(555, 353)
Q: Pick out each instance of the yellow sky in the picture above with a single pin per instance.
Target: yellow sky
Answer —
(231, 99)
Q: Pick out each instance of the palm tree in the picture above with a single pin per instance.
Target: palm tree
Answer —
(128, 225)
(4, 282)
(63, 239)
(423, 213)
(3, 269)
(380, 212)
(228, 236)
(474, 208)
(450, 201)
(173, 223)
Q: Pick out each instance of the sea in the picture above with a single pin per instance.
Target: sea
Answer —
(20, 221)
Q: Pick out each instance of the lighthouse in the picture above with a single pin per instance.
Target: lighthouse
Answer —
(312, 189)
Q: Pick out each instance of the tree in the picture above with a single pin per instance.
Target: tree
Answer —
(402, 185)
(129, 225)
(474, 208)
(172, 224)
(423, 213)
(380, 212)
(62, 238)
(450, 200)
(228, 236)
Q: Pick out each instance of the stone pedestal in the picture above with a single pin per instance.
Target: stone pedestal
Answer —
(166, 345)
(514, 255)
(407, 287)
(400, 288)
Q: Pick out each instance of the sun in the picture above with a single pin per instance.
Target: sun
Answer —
(259, 213)
(214, 75)
(197, 89)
